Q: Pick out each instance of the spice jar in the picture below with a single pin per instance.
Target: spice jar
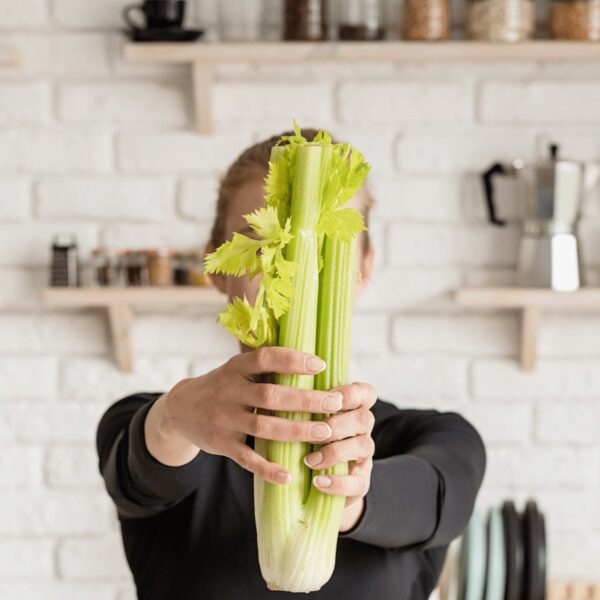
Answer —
(501, 20)
(306, 20)
(64, 268)
(575, 20)
(106, 267)
(160, 266)
(136, 267)
(196, 269)
(360, 20)
(181, 269)
(426, 20)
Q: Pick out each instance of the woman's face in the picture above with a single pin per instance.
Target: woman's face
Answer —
(248, 198)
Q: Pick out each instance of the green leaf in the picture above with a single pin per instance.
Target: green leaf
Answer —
(278, 293)
(342, 224)
(285, 268)
(265, 223)
(278, 184)
(323, 138)
(236, 257)
(237, 319)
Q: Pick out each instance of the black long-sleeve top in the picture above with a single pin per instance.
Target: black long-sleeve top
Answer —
(189, 531)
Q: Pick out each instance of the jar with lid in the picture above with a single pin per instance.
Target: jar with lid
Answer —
(575, 20)
(426, 20)
(360, 20)
(160, 266)
(306, 20)
(501, 20)
(106, 267)
(136, 268)
(181, 268)
(64, 268)
(196, 266)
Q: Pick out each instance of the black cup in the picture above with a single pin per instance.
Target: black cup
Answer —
(158, 14)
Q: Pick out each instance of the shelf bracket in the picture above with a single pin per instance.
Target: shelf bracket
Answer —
(202, 79)
(119, 316)
(530, 329)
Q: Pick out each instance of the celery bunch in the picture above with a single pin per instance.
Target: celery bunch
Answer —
(305, 254)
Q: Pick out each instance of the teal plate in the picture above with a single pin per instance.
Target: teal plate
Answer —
(472, 560)
(495, 579)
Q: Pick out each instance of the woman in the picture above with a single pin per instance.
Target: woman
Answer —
(179, 465)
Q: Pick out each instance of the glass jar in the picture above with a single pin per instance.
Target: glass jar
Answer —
(360, 20)
(106, 267)
(181, 269)
(575, 20)
(306, 20)
(188, 269)
(160, 266)
(136, 268)
(240, 20)
(501, 20)
(426, 20)
(196, 265)
(64, 267)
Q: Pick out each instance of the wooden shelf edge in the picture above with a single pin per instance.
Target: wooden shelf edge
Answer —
(118, 302)
(103, 297)
(392, 50)
(508, 297)
(531, 302)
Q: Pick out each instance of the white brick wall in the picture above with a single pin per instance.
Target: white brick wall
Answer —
(123, 103)
(104, 148)
(412, 102)
(25, 13)
(25, 103)
(127, 198)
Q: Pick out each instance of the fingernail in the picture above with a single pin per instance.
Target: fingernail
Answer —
(283, 477)
(320, 431)
(332, 402)
(312, 460)
(315, 364)
(322, 482)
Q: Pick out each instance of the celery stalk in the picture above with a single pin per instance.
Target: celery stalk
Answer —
(309, 559)
(305, 253)
(297, 329)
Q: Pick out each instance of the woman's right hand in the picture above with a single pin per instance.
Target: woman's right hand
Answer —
(215, 412)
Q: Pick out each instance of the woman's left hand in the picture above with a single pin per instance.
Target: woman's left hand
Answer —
(351, 442)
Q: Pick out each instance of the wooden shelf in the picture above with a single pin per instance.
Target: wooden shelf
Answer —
(531, 302)
(10, 57)
(202, 57)
(119, 303)
(394, 51)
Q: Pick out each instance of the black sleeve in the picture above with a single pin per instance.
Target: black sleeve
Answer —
(427, 471)
(139, 485)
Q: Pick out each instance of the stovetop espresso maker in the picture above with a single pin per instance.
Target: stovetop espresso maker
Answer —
(550, 194)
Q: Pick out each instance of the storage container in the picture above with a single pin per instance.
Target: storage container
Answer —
(575, 20)
(360, 20)
(306, 20)
(160, 266)
(501, 20)
(136, 268)
(106, 267)
(426, 20)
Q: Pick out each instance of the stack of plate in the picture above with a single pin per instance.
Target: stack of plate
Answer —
(501, 557)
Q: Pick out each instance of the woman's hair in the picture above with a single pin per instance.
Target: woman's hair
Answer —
(253, 164)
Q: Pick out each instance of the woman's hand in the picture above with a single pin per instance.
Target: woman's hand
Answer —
(352, 442)
(215, 412)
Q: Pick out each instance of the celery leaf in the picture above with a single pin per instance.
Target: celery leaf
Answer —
(236, 257)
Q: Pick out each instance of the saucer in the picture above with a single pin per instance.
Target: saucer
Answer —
(163, 35)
